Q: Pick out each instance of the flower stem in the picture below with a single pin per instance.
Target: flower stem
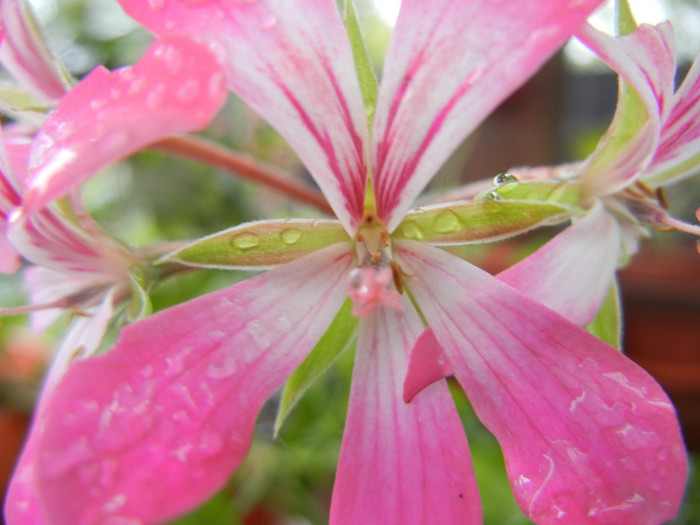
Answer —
(242, 165)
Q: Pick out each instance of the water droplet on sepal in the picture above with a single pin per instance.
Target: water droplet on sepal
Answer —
(246, 241)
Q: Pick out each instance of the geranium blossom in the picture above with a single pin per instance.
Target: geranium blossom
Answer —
(617, 181)
(158, 423)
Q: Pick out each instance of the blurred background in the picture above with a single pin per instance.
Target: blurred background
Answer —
(558, 116)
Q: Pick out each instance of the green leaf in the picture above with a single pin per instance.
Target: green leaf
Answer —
(339, 336)
(260, 244)
(363, 65)
(473, 222)
(140, 303)
(607, 324)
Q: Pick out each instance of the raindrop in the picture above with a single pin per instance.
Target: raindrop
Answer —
(114, 141)
(269, 22)
(447, 222)
(290, 235)
(410, 230)
(492, 196)
(188, 91)
(171, 58)
(156, 5)
(210, 444)
(246, 241)
(504, 178)
(156, 96)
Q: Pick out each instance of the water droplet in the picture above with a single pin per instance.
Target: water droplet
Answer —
(188, 91)
(97, 103)
(290, 235)
(114, 141)
(210, 443)
(504, 178)
(171, 58)
(246, 241)
(447, 221)
(156, 5)
(492, 196)
(260, 333)
(411, 230)
(156, 96)
(270, 21)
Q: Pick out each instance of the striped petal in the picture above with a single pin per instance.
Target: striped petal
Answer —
(291, 61)
(587, 435)
(176, 87)
(645, 60)
(157, 424)
(678, 155)
(449, 64)
(572, 273)
(400, 463)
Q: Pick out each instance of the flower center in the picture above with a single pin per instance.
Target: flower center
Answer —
(376, 278)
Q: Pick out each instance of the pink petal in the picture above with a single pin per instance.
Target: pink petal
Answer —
(645, 60)
(680, 137)
(291, 61)
(9, 258)
(587, 435)
(400, 463)
(22, 501)
(25, 54)
(176, 87)
(572, 273)
(428, 363)
(449, 64)
(157, 424)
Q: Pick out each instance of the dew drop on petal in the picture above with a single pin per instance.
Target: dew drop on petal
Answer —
(411, 230)
(246, 241)
(189, 91)
(504, 178)
(156, 5)
(114, 141)
(447, 222)
(210, 444)
(290, 235)
(156, 96)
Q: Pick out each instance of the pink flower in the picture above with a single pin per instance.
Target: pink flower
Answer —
(653, 140)
(158, 423)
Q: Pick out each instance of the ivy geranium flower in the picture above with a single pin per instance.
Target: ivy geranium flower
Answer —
(654, 140)
(158, 423)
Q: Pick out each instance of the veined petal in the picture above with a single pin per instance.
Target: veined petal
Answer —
(572, 273)
(158, 423)
(400, 463)
(678, 155)
(587, 435)
(177, 86)
(23, 505)
(24, 52)
(645, 60)
(449, 64)
(292, 62)
(9, 258)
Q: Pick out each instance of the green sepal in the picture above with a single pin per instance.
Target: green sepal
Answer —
(474, 222)
(260, 244)
(365, 73)
(625, 23)
(139, 305)
(339, 336)
(562, 192)
(607, 324)
(15, 98)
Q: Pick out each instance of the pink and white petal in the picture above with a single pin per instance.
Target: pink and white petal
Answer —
(23, 506)
(571, 274)
(47, 239)
(587, 435)
(264, 46)
(678, 155)
(449, 64)
(428, 363)
(158, 423)
(177, 86)
(24, 53)
(9, 258)
(400, 463)
(645, 60)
